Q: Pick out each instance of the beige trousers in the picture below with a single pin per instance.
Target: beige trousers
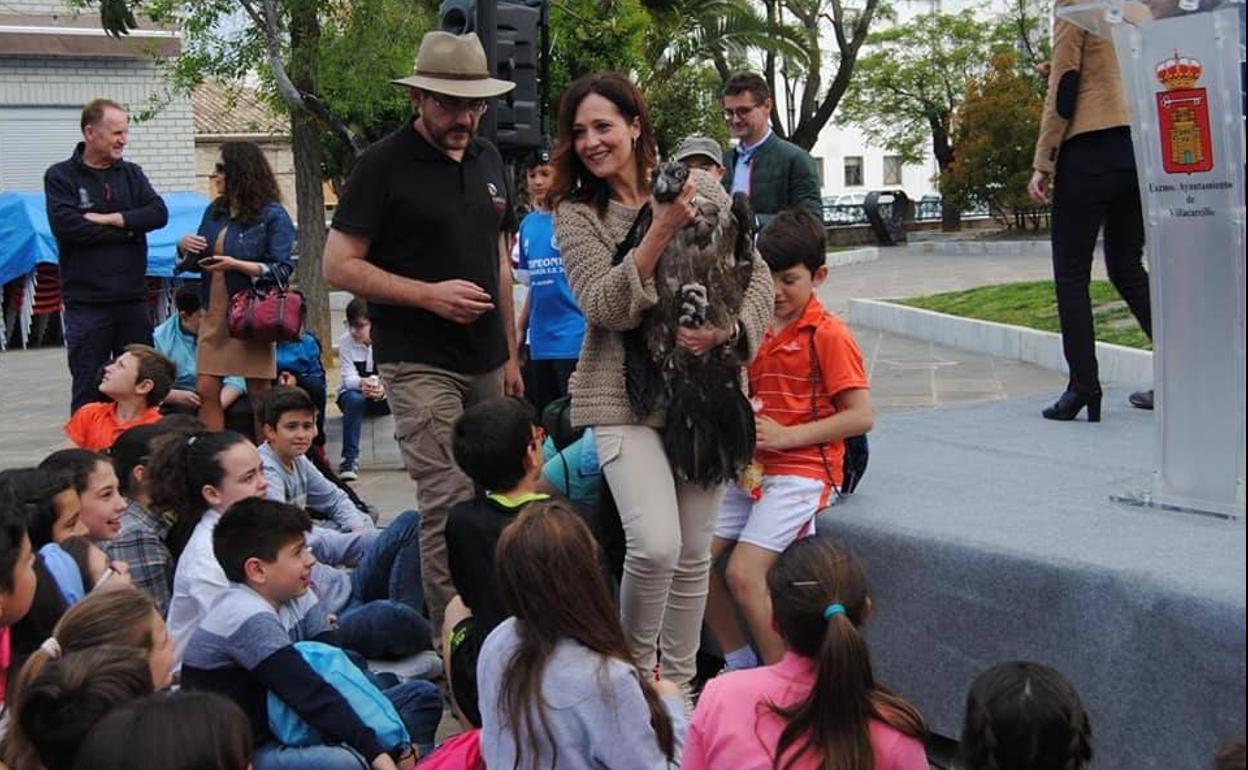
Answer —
(667, 527)
(426, 401)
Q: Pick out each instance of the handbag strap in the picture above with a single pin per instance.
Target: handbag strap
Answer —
(635, 233)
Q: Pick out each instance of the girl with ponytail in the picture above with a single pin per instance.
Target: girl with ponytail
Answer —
(1024, 716)
(198, 477)
(820, 707)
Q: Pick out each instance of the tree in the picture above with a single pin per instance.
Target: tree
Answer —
(912, 82)
(592, 36)
(686, 103)
(284, 41)
(810, 108)
(995, 133)
(719, 33)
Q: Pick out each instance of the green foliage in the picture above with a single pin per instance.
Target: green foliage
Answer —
(722, 33)
(995, 134)
(913, 79)
(1033, 304)
(684, 104)
(593, 36)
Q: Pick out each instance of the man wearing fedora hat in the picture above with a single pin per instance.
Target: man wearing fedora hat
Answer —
(417, 232)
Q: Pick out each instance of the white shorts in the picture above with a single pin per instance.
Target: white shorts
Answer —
(785, 512)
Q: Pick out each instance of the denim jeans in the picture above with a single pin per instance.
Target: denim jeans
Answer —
(419, 704)
(384, 619)
(95, 334)
(355, 407)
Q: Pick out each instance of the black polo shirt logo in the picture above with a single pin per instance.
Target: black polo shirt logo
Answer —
(499, 202)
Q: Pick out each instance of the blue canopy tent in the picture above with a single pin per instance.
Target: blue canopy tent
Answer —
(26, 241)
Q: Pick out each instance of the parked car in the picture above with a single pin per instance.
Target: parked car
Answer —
(846, 209)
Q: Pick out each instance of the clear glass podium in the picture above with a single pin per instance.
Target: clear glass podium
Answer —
(1181, 63)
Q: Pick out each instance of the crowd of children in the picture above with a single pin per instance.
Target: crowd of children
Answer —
(176, 598)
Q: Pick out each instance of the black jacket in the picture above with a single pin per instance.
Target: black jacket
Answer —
(99, 263)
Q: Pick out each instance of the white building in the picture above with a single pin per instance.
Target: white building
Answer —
(52, 64)
(848, 163)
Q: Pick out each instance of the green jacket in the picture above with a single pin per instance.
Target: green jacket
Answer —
(783, 176)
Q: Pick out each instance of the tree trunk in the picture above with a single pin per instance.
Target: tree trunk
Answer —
(305, 137)
(950, 215)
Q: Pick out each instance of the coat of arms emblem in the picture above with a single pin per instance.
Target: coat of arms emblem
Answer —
(1183, 117)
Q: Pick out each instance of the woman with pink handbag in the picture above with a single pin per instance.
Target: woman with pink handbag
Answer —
(243, 243)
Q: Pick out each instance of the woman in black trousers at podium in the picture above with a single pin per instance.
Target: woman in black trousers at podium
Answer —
(1085, 139)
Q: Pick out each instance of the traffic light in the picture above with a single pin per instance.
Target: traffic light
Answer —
(512, 33)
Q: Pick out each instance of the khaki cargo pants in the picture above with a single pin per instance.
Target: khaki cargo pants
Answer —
(426, 401)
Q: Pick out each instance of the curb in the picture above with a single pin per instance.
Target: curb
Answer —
(1118, 364)
(976, 248)
(853, 256)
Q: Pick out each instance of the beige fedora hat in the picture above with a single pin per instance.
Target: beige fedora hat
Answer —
(454, 65)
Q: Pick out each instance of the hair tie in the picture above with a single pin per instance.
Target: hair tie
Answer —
(832, 610)
(51, 647)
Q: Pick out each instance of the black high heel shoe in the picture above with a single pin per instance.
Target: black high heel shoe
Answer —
(1071, 403)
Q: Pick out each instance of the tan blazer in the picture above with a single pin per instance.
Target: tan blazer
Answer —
(1090, 99)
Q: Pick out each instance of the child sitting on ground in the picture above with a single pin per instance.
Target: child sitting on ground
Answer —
(495, 444)
(141, 542)
(135, 384)
(203, 474)
(53, 713)
(299, 365)
(810, 392)
(178, 731)
(17, 578)
(360, 393)
(244, 647)
(820, 705)
(558, 686)
(99, 493)
(288, 421)
(1024, 716)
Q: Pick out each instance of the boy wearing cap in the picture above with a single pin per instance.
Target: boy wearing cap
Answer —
(417, 234)
(701, 152)
(550, 315)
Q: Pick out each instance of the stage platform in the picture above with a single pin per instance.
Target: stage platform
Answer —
(989, 534)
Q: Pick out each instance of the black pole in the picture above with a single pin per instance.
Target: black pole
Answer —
(487, 31)
(543, 74)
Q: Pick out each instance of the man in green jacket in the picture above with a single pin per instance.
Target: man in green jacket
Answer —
(775, 174)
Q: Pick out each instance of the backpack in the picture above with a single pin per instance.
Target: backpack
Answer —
(369, 703)
(857, 449)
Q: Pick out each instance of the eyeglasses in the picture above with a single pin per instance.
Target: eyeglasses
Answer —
(453, 105)
(740, 113)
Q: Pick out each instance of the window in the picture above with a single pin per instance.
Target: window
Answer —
(853, 171)
(819, 168)
(892, 169)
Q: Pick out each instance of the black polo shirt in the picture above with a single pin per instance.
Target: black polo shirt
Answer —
(431, 218)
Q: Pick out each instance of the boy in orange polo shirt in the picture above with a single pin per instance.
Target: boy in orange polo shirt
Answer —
(809, 390)
(135, 383)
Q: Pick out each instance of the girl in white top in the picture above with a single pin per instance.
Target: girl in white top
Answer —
(557, 686)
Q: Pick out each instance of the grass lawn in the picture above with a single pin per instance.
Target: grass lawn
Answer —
(1034, 305)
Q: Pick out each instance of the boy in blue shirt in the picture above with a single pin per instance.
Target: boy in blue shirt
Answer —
(550, 315)
(244, 648)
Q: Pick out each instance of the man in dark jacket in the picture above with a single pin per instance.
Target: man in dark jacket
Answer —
(100, 208)
(775, 174)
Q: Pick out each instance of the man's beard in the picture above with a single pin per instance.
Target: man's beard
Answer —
(440, 138)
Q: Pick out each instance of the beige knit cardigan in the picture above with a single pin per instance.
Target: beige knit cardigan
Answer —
(614, 299)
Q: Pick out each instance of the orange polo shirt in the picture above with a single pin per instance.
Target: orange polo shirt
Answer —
(95, 426)
(783, 379)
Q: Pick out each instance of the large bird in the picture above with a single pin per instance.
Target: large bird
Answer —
(701, 280)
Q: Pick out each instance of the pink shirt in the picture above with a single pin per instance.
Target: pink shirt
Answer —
(732, 730)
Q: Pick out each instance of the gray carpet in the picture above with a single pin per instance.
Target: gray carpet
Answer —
(988, 534)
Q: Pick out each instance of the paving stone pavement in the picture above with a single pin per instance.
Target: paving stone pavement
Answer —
(905, 373)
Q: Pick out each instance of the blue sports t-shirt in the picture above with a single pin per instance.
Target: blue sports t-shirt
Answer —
(556, 325)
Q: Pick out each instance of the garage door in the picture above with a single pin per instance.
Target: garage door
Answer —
(33, 138)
